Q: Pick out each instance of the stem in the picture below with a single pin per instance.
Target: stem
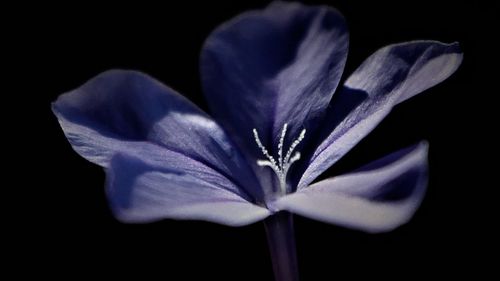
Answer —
(281, 242)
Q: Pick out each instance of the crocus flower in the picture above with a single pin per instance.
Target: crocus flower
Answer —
(269, 77)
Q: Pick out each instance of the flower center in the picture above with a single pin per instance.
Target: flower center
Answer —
(281, 167)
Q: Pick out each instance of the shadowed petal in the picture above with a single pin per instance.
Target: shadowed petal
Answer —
(139, 192)
(269, 67)
(376, 198)
(388, 77)
(127, 111)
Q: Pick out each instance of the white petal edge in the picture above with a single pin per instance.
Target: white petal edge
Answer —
(347, 200)
(140, 193)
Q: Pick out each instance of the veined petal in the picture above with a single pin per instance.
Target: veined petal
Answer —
(129, 112)
(388, 77)
(269, 67)
(140, 192)
(376, 198)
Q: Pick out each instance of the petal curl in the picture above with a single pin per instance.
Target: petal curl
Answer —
(140, 192)
(376, 198)
(269, 67)
(388, 77)
(129, 112)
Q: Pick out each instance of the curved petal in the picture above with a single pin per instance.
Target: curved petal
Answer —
(377, 198)
(388, 77)
(140, 192)
(127, 111)
(269, 67)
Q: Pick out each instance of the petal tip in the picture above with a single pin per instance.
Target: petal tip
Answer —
(423, 145)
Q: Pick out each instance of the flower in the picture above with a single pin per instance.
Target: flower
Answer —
(269, 77)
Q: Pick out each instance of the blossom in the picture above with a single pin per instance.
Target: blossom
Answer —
(280, 119)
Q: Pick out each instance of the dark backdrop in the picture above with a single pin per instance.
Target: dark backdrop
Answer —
(71, 231)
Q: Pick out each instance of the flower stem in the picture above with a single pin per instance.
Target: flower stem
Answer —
(281, 242)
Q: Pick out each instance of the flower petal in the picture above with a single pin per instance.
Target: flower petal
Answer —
(127, 111)
(388, 77)
(376, 198)
(273, 66)
(140, 192)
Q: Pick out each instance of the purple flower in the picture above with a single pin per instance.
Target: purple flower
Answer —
(269, 77)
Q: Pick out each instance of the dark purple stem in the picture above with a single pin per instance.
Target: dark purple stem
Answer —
(281, 241)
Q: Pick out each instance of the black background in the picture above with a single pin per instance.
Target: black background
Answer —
(71, 232)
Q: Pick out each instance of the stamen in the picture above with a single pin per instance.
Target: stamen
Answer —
(264, 150)
(280, 169)
(294, 144)
(295, 158)
(280, 145)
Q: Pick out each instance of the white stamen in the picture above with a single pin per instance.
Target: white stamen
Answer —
(294, 145)
(264, 150)
(280, 169)
(280, 145)
(295, 157)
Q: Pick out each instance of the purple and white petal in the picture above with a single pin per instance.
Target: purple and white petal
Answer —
(388, 77)
(376, 198)
(140, 192)
(129, 112)
(273, 66)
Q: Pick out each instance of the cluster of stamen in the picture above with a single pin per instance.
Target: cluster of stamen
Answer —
(282, 166)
